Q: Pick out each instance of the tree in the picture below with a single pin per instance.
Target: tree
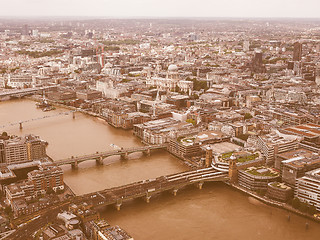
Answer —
(4, 134)
(50, 191)
(190, 120)
(195, 96)
(296, 203)
(8, 210)
(311, 209)
(247, 116)
(303, 207)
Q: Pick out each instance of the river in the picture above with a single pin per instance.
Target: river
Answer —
(215, 212)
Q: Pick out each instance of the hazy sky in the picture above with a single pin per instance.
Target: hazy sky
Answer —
(162, 8)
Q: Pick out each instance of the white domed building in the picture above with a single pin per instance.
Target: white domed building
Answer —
(171, 81)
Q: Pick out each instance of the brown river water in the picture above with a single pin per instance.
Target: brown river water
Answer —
(215, 212)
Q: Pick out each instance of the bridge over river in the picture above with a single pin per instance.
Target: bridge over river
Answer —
(18, 93)
(100, 156)
(147, 188)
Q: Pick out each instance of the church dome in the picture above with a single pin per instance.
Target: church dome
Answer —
(172, 68)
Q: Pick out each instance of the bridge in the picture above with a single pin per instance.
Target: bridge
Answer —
(24, 92)
(20, 123)
(148, 188)
(99, 156)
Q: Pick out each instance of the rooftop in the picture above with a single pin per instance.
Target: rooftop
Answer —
(262, 171)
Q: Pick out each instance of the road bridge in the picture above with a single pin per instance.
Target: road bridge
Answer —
(100, 156)
(147, 188)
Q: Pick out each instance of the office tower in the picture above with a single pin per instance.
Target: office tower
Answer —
(297, 51)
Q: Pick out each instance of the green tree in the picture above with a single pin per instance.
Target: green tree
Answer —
(247, 116)
(8, 210)
(190, 120)
(312, 209)
(296, 203)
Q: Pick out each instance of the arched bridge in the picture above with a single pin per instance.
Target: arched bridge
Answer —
(99, 156)
(147, 188)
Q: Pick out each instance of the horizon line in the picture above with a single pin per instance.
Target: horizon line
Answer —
(159, 17)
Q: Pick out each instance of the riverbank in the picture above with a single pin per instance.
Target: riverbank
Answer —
(273, 203)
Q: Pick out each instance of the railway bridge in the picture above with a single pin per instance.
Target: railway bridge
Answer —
(148, 188)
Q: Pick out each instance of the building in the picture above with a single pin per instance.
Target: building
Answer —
(36, 148)
(274, 143)
(160, 131)
(190, 145)
(20, 195)
(46, 178)
(296, 166)
(257, 178)
(279, 191)
(309, 132)
(171, 82)
(17, 150)
(2, 152)
(257, 63)
(297, 51)
(88, 95)
(114, 233)
(308, 188)
(21, 81)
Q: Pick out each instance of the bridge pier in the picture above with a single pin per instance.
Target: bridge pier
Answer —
(99, 161)
(147, 197)
(174, 191)
(74, 165)
(147, 152)
(118, 204)
(20, 125)
(200, 184)
(124, 156)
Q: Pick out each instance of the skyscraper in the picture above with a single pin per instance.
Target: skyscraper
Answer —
(257, 63)
(297, 51)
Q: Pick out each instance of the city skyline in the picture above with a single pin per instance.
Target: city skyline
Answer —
(165, 8)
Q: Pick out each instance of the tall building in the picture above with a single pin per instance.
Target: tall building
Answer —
(246, 46)
(2, 155)
(22, 149)
(257, 63)
(25, 30)
(297, 51)
(36, 147)
(15, 151)
(318, 74)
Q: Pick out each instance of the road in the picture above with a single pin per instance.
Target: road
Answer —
(25, 232)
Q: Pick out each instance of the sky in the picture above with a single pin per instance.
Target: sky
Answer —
(163, 8)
